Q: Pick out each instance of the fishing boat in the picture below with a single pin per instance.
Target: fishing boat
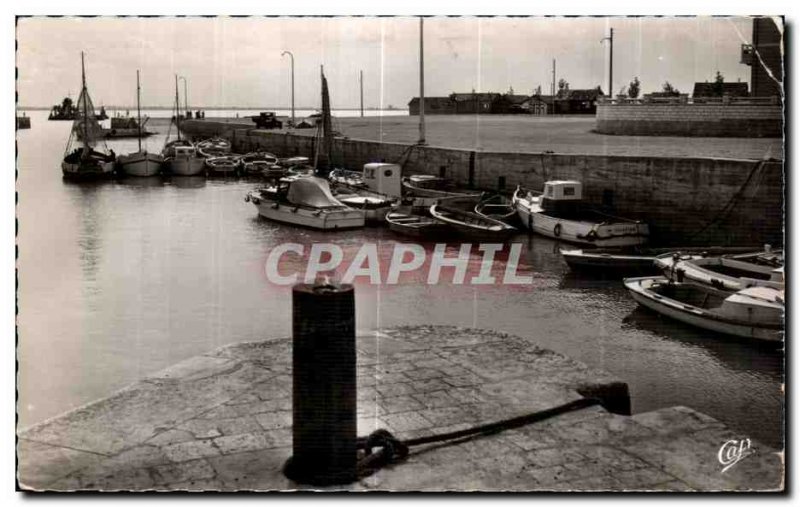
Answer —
(469, 224)
(223, 166)
(180, 156)
(560, 213)
(726, 272)
(417, 226)
(755, 312)
(634, 260)
(497, 207)
(213, 147)
(424, 185)
(305, 201)
(84, 161)
(258, 162)
(141, 162)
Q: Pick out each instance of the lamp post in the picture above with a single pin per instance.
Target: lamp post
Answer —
(185, 96)
(292, 57)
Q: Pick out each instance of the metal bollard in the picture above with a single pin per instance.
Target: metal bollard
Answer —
(324, 385)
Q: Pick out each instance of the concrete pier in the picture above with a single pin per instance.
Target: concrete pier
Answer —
(222, 421)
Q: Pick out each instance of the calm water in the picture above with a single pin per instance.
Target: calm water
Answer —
(120, 279)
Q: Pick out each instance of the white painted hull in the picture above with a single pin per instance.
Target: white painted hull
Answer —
(307, 217)
(141, 164)
(692, 269)
(186, 166)
(601, 235)
(695, 316)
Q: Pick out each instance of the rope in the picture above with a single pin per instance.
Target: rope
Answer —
(392, 450)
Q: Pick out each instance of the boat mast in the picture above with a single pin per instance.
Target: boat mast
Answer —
(85, 112)
(138, 111)
(177, 109)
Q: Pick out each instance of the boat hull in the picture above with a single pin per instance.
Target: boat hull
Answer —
(141, 164)
(307, 217)
(87, 171)
(186, 166)
(603, 262)
(698, 317)
(600, 235)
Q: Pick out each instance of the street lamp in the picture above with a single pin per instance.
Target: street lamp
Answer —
(292, 57)
(185, 96)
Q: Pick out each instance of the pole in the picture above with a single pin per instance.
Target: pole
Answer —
(553, 88)
(610, 40)
(177, 109)
(291, 56)
(138, 111)
(185, 95)
(421, 82)
(85, 111)
(361, 86)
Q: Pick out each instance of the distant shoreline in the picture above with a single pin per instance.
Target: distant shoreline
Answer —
(222, 108)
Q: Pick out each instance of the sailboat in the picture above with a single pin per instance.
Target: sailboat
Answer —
(140, 163)
(84, 162)
(181, 157)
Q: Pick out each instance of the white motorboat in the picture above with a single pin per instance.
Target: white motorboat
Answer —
(305, 201)
(726, 272)
(560, 213)
(142, 162)
(755, 312)
(84, 161)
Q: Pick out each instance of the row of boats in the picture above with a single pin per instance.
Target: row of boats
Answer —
(736, 291)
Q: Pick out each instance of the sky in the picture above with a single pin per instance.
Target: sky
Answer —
(237, 61)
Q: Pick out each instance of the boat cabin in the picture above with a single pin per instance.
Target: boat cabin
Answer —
(383, 178)
(563, 190)
(183, 151)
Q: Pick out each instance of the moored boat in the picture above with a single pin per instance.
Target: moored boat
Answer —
(727, 272)
(305, 201)
(497, 207)
(223, 166)
(755, 312)
(423, 185)
(213, 147)
(375, 207)
(469, 224)
(84, 161)
(142, 162)
(560, 213)
(258, 162)
(180, 156)
(416, 226)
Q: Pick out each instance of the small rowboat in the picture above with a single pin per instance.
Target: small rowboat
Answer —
(222, 165)
(470, 224)
(726, 272)
(214, 147)
(423, 185)
(496, 207)
(257, 162)
(416, 226)
(374, 206)
(755, 312)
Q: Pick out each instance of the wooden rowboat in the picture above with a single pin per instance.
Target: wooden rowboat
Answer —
(471, 225)
(416, 226)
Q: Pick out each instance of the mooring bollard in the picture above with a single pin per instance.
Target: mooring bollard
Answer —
(324, 385)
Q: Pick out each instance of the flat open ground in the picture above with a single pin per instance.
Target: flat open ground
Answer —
(560, 134)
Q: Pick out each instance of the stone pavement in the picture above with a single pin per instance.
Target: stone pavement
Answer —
(222, 421)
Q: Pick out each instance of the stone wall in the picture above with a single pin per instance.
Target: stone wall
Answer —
(685, 200)
(718, 119)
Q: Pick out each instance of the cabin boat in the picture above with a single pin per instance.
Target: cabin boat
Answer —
(754, 312)
(469, 224)
(180, 159)
(416, 226)
(635, 260)
(141, 162)
(424, 185)
(305, 201)
(726, 272)
(560, 213)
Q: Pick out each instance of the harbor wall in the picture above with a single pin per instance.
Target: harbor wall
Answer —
(718, 119)
(685, 200)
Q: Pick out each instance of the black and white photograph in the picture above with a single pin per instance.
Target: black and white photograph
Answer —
(406, 253)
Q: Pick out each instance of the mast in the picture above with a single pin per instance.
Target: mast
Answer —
(85, 112)
(138, 110)
(421, 83)
(177, 109)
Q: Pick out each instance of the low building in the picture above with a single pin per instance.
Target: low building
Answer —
(433, 105)
(474, 103)
(578, 101)
(512, 104)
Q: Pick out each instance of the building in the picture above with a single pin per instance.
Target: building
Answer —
(765, 58)
(728, 89)
(578, 101)
(433, 105)
(474, 103)
(512, 104)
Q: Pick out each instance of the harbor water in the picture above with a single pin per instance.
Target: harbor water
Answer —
(122, 278)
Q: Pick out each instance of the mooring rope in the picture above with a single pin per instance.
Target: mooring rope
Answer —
(392, 450)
